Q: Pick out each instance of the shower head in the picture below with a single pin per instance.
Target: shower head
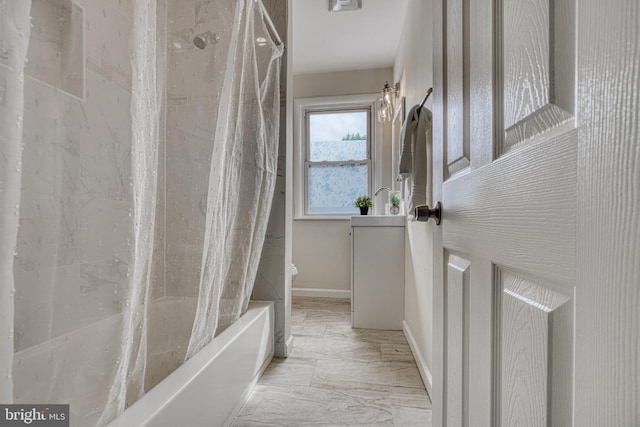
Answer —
(201, 40)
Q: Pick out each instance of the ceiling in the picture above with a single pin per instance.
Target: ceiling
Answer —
(365, 39)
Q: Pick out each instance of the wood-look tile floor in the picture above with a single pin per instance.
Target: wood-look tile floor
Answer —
(338, 376)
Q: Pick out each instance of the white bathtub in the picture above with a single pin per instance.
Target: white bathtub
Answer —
(211, 387)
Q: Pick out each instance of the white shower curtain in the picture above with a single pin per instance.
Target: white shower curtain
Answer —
(128, 382)
(14, 40)
(242, 178)
(242, 175)
(80, 183)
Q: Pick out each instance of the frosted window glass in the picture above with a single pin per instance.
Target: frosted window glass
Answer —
(329, 151)
(333, 189)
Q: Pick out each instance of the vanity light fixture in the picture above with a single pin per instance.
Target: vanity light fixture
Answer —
(344, 5)
(386, 101)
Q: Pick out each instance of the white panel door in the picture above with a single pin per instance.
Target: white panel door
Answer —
(537, 258)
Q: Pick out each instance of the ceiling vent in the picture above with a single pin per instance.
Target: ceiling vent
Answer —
(344, 5)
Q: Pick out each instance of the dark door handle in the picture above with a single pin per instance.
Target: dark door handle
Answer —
(423, 213)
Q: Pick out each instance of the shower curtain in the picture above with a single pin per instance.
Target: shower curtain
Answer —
(14, 39)
(128, 380)
(82, 184)
(242, 175)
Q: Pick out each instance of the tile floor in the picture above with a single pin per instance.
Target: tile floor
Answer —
(338, 376)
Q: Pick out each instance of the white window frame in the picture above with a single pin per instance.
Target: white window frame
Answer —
(332, 103)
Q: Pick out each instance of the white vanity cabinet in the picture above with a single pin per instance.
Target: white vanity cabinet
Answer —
(377, 272)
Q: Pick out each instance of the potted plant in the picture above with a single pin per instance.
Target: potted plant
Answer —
(364, 203)
(394, 203)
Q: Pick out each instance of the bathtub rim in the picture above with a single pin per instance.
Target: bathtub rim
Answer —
(143, 412)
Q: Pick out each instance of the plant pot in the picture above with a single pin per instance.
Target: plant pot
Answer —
(364, 211)
(394, 202)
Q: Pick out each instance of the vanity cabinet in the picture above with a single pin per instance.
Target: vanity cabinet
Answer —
(377, 272)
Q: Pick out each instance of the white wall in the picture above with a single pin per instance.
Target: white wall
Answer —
(414, 69)
(321, 249)
(340, 83)
(321, 252)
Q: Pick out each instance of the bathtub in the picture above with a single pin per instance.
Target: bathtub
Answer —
(211, 387)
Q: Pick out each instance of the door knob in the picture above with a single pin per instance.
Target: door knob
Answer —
(423, 213)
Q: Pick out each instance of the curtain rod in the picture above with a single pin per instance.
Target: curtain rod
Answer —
(267, 18)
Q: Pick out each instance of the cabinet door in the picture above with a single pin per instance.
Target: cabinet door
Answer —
(378, 277)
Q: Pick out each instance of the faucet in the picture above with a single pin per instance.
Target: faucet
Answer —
(380, 189)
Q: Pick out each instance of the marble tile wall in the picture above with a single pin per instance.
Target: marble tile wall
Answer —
(194, 82)
(75, 236)
(193, 85)
(270, 281)
(56, 54)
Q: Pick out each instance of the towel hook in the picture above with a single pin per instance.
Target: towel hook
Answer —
(425, 98)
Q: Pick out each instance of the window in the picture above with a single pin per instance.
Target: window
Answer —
(336, 145)
(337, 159)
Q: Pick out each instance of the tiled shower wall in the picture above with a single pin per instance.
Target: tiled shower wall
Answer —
(75, 189)
(74, 240)
(194, 79)
(270, 282)
(193, 85)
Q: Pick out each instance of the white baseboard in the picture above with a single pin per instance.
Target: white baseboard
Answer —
(288, 346)
(321, 293)
(417, 355)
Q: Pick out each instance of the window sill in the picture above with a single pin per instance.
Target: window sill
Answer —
(324, 218)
